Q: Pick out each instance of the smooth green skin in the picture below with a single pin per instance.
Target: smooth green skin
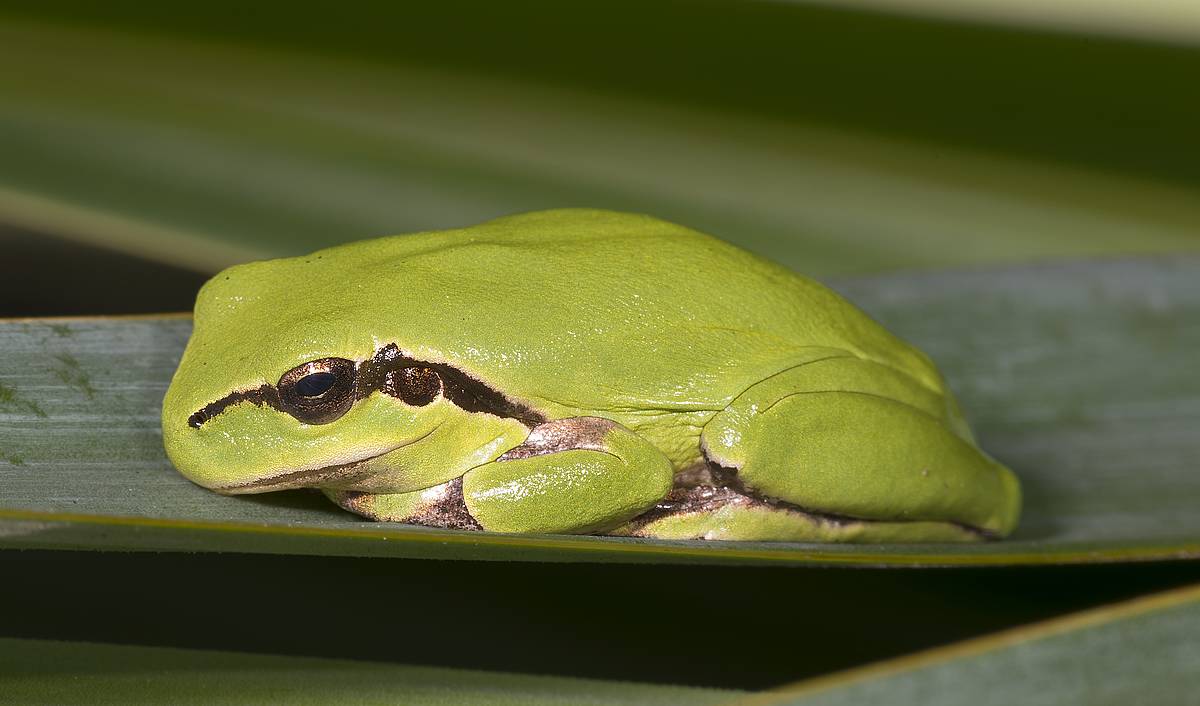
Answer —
(690, 344)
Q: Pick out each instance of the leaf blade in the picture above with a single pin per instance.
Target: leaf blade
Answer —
(276, 153)
(1137, 651)
(1070, 370)
(44, 671)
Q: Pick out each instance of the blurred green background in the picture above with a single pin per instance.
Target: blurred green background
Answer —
(144, 146)
(834, 140)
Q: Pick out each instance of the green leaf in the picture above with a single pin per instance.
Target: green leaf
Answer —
(42, 671)
(1080, 376)
(205, 154)
(1159, 21)
(1139, 651)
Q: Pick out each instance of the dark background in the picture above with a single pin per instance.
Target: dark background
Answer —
(1116, 104)
(744, 627)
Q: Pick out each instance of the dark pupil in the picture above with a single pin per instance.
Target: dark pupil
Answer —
(315, 385)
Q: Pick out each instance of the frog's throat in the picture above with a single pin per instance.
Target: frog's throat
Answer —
(371, 376)
(315, 477)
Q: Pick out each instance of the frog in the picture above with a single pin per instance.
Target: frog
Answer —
(576, 371)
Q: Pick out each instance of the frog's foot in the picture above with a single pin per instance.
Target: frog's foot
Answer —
(570, 476)
(842, 449)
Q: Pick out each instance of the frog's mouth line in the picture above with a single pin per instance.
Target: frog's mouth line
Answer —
(315, 477)
(299, 479)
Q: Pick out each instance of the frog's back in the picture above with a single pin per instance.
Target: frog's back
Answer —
(624, 298)
(581, 309)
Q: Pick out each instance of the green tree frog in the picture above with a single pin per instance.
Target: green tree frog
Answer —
(575, 371)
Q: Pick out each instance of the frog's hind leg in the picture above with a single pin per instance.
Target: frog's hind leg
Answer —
(841, 449)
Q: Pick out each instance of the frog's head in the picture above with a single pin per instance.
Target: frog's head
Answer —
(283, 385)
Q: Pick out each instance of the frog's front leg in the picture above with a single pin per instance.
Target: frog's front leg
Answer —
(842, 449)
(577, 475)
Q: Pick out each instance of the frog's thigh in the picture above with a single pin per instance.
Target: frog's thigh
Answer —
(576, 475)
(861, 446)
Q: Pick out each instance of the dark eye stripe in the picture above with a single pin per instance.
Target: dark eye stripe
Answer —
(265, 395)
(302, 391)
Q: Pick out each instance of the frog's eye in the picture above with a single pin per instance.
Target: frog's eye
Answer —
(315, 384)
(319, 391)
